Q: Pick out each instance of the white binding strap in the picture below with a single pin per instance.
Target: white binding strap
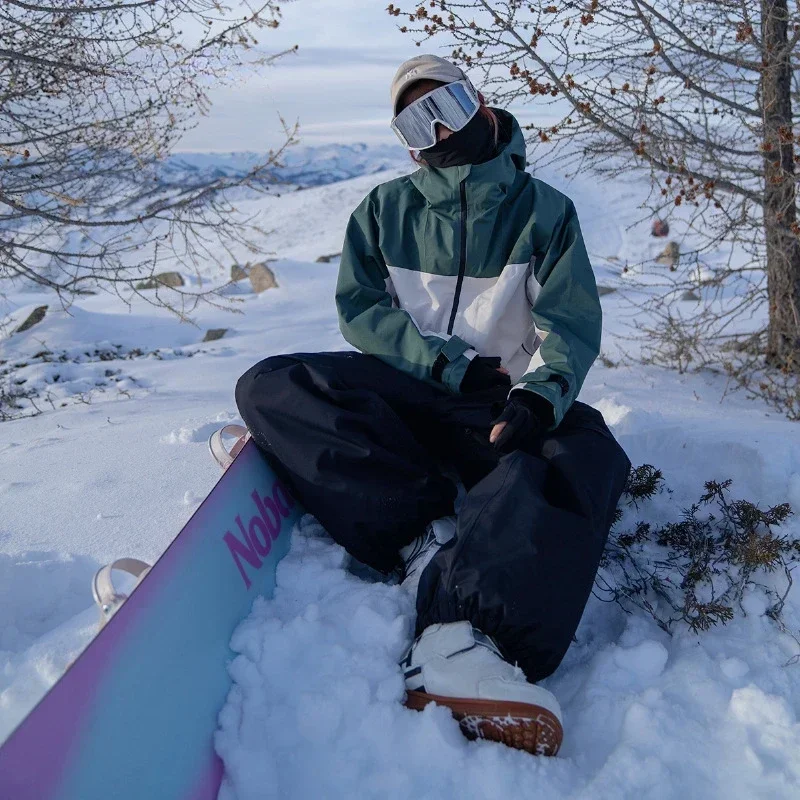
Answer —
(218, 450)
(105, 595)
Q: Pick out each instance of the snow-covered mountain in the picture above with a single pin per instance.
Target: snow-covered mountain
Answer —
(117, 462)
(302, 165)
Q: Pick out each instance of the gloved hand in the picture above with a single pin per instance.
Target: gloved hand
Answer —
(482, 373)
(526, 416)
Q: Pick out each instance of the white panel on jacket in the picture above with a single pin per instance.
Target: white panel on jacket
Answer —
(428, 298)
(494, 314)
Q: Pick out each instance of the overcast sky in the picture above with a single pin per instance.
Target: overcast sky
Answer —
(336, 85)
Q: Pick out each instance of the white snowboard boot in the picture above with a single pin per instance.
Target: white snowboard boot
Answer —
(455, 665)
(417, 555)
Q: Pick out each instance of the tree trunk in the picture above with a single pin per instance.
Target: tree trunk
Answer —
(780, 211)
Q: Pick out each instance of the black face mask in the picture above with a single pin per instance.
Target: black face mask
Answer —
(473, 144)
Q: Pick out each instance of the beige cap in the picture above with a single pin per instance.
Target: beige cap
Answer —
(425, 66)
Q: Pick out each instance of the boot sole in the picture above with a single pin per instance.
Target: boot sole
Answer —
(519, 725)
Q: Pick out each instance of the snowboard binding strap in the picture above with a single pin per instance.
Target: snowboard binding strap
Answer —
(108, 599)
(221, 455)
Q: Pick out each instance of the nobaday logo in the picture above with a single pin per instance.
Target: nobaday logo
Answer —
(256, 537)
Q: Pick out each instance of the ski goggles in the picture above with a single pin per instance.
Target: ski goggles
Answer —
(453, 104)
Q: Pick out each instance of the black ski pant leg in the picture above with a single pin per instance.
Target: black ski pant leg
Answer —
(357, 442)
(528, 543)
(343, 430)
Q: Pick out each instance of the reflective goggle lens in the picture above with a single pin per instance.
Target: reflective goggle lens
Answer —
(453, 105)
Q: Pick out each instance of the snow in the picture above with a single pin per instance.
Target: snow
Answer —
(315, 710)
(117, 463)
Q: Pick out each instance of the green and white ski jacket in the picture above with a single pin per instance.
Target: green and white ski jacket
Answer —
(483, 259)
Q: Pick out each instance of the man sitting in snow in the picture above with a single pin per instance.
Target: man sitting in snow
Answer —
(450, 446)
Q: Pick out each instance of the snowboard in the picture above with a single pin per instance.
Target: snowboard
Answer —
(134, 715)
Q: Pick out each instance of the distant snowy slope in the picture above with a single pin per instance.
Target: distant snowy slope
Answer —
(302, 165)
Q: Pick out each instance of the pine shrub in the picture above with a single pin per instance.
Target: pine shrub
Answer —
(694, 571)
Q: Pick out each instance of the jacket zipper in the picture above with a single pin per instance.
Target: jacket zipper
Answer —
(462, 259)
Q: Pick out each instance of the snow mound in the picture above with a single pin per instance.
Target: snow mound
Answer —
(70, 330)
(44, 623)
(316, 707)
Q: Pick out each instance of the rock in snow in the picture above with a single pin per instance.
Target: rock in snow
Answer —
(36, 316)
(170, 279)
(262, 278)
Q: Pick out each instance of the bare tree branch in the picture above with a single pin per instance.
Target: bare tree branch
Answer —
(93, 98)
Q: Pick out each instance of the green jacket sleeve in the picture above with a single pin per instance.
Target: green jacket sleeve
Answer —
(567, 309)
(370, 320)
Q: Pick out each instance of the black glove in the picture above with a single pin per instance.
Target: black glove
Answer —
(527, 415)
(482, 373)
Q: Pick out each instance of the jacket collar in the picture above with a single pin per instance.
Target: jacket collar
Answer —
(487, 183)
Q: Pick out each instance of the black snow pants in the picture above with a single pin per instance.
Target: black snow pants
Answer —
(372, 453)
